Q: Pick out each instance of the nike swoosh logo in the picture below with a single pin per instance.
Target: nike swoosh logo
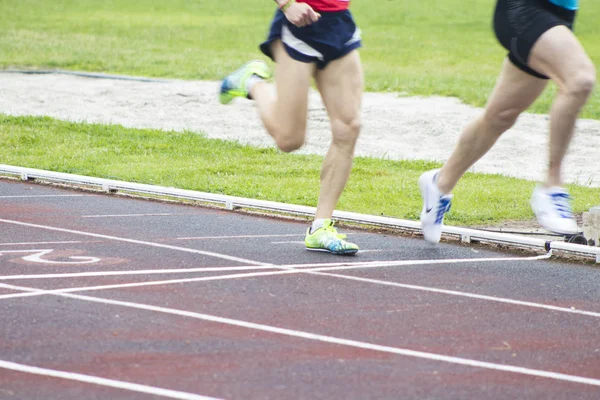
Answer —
(427, 209)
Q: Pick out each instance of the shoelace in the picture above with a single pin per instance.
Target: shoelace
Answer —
(562, 204)
(443, 208)
(331, 229)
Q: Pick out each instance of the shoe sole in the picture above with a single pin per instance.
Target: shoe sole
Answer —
(339, 253)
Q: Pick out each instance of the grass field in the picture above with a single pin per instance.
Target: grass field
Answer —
(446, 48)
(188, 160)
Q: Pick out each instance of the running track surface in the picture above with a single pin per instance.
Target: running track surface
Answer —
(105, 297)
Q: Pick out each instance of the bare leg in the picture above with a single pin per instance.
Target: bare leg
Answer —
(514, 92)
(284, 112)
(559, 55)
(341, 87)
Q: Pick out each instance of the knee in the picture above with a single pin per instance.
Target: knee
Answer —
(288, 137)
(500, 122)
(582, 83)
(289, 141)
(345, 131)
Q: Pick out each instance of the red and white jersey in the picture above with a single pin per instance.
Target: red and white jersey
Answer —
(327, 5)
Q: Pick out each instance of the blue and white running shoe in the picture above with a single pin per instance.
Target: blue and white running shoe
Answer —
(435, 206)
(552, 207)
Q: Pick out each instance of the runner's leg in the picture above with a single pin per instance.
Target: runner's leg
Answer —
(283, 109)
(341, 87)
(515, 91)
(559, 55)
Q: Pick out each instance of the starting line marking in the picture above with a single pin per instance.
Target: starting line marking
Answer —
(339, 341)
(133, 387)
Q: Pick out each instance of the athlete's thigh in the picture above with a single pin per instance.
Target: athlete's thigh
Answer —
(558, 54)
(292, 80)
(341, 86)
(514, 92)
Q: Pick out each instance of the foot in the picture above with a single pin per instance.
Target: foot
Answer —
(236, 84)
(435, 206)
(552, 207)
(327, 239)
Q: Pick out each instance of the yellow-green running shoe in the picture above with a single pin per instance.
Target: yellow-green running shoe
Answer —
(234, 85)
(327, 239)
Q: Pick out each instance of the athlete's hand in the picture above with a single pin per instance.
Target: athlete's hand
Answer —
(301, 14)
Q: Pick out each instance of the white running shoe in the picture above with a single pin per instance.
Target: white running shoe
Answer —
(552, 207)
(435, 206)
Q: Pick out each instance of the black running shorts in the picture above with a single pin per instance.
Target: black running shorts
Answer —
(518, 24)
(333, 36)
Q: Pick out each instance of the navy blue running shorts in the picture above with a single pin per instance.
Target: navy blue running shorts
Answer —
(518, 24)
(333, 36)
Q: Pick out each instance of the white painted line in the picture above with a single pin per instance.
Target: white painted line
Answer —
(132, 387)
(289, 242)
(398, 263)
(351, 265)
(316, 271)
(142, 284)
(129, 215)
(36, 243)
(120, 239)
(463, 294)
(281, 270)
(361, 251)
(39, 253)
(343, 342)
(239, 236)
(130, 272)
(42, 195)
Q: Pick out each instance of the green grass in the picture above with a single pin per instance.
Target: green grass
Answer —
(444, 47)
(190, 161)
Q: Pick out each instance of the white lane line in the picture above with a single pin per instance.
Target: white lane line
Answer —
(142, 284)
(130, 272)
(315, 271)
(36, 243)
(462, 294)
(281, 270)
(132, 387)
(398, 263)
(239, 236)
(42, 195)
(374, 251)
(358, 264)
(120, 239)
(129, 215)
(343, 342)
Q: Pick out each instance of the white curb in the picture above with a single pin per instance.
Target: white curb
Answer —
(231, 203)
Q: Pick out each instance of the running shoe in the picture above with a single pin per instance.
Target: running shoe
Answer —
(435, 206)
(552, 207)
(327, 239)
(235, 84)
